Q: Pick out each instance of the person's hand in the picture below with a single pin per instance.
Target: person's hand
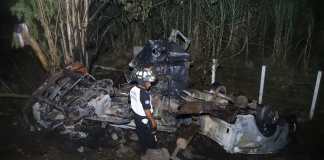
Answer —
(154, 124)
(152, 120)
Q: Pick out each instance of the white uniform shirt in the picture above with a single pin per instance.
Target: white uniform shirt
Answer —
(137, 102)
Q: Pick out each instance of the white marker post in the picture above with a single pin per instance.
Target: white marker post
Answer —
(213, 79)
(317, 85)
(262, 83)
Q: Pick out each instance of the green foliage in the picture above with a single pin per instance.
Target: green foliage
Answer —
(221, 29)
(137, 10)
(26, 11)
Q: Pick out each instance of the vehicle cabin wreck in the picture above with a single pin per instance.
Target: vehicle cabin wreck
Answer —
(72, 96)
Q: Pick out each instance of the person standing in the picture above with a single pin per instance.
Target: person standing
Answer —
(141, 105)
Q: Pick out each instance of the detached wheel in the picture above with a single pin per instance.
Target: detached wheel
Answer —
(266, 120)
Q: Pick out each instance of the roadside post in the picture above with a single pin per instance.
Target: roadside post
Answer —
(214, 67)
(317, 85)
(262, 84)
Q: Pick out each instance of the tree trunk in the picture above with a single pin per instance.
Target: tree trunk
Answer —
(37, 50)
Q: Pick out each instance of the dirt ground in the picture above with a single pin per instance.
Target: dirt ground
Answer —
(19, 143)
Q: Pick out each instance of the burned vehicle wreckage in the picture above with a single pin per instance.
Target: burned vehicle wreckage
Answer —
(69, 98)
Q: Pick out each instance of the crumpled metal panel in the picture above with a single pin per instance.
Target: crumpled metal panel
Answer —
(243, 136)
(170, 64)
(174, 81)
(101, 104)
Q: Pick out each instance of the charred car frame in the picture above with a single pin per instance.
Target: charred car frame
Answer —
(72, 96)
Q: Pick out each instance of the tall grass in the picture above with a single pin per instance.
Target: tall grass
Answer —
(225, 29)
(248, 30)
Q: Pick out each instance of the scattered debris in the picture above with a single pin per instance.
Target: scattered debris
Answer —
(124, 151)
(156, 154)
(70, 99)
(181, 145)
(187, 153)
(133, 137)
(114, 136)
(80, 149)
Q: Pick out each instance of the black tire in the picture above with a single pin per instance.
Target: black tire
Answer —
(266, 120)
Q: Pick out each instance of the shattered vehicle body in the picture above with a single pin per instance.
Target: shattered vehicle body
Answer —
(69, 98)
(237, 125)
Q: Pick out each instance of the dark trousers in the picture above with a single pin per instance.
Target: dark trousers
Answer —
(145, 133)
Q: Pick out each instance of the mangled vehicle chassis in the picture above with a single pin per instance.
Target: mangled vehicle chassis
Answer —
(69, 98)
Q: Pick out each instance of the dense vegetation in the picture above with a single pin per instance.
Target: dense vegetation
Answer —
(275, 32)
